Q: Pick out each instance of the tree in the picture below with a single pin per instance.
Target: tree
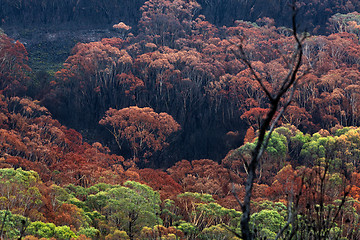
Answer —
(318, 196)
(203, 175)
(345, 22)
(267, 223)
(129, 207)
(145, 130)
(90, 232)
(11, 225)
(41, 229)
(160, 181)
(273, 158)
(200, 212)
(19, 191)
(279, 99)
(117, 235)
(217, 232)
(64, 233)
(161, 232)
(122, 28)
(167, 20)
(90, 78)
(13, 66)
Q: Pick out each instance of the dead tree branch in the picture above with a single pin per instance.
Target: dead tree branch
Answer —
(283, 94)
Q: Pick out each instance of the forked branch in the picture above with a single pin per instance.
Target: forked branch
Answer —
(283, 94)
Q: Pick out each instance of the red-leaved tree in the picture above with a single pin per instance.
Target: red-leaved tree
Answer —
(13, 67)
(145, 130)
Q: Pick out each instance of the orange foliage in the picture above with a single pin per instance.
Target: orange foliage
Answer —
(70, 215)
(13, 66)
(160, 181)
(145, 130)
(204, 176)
(250, 135)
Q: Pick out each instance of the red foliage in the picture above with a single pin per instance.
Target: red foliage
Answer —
(145, 130)
(13, 66)
(70, 215)
(31, 139)
(250, 135)
(160, 181)
(204, 176)
(255, 116)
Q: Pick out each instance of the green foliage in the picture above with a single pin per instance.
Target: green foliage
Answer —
(187, 228)
(134, 202)
(11, 224)
(64, 233)
(58, 196)
(93, 190)
(97, 201)
(145, 191)
(117, 235)
(90, 232)
(19, 176)
(41, 229)
(59, 193)
(267, 223)
(298, 141)
(275, 206)
(322, 230)
(334, 151)
(170, 236)
(347, 22)
(108, 210)
(246, 149)
(99, 221)
(78, 203)
(137, 203)
(202, 212)
(19, 190)
(318, 147)
(277, 147)
(134, 206)
(288, 131)
(348, 148)
(76, 191)
(49, 230)
(95, 215)
(335, 180)
(218, 214)
(265, 233)
(100, 186)
(168, 212)
(217, 232)
(342, 131)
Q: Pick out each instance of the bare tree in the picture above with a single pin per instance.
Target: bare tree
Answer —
(279, 100)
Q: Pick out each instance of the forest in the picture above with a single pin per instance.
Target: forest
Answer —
(220, 120)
